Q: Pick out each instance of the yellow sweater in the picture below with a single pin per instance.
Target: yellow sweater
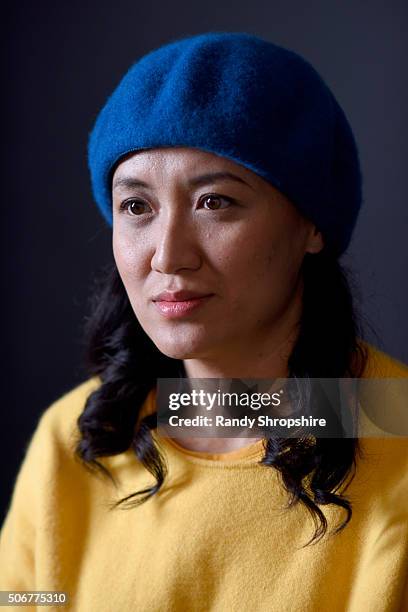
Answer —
(215, 539)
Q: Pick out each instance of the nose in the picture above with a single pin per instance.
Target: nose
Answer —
(176, 246)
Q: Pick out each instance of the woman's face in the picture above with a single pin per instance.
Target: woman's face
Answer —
(209, 252)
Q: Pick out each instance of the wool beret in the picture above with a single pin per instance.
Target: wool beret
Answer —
(244, 98)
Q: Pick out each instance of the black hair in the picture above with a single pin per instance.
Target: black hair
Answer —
(315, 472)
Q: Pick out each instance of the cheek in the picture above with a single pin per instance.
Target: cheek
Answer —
(247, 254)
(274, 263)
(260, 271)
(133, 267)
(129, 258)
(278, 250)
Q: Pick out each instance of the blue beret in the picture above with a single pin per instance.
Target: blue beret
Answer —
(248, 100)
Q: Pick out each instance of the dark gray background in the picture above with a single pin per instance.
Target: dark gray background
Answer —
(62, 59)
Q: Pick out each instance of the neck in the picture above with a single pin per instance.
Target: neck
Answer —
(263, 355)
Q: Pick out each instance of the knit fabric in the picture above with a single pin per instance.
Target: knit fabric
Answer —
(248, 100)
(216, 538)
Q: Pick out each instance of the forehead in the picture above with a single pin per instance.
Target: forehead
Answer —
(181, 160)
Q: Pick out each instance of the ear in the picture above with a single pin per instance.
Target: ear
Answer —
(315, 242)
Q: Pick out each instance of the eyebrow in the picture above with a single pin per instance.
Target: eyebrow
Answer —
(129, 182)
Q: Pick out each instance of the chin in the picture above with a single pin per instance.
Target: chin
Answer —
(182, 348)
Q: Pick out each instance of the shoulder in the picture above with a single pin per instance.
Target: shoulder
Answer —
(383, 418)
(59, 420)
(49, 457)
(382, 391)
(380, 364)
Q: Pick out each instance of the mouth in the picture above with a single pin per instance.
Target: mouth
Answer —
(179, 304)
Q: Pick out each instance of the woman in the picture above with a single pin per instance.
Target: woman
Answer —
(231, 179)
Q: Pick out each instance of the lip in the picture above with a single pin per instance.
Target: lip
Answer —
(178, 304)
(178, 296)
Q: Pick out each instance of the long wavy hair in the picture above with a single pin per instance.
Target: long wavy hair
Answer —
(313, 472)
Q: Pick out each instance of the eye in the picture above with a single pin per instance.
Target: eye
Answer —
(135, 207)
(213, 201)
